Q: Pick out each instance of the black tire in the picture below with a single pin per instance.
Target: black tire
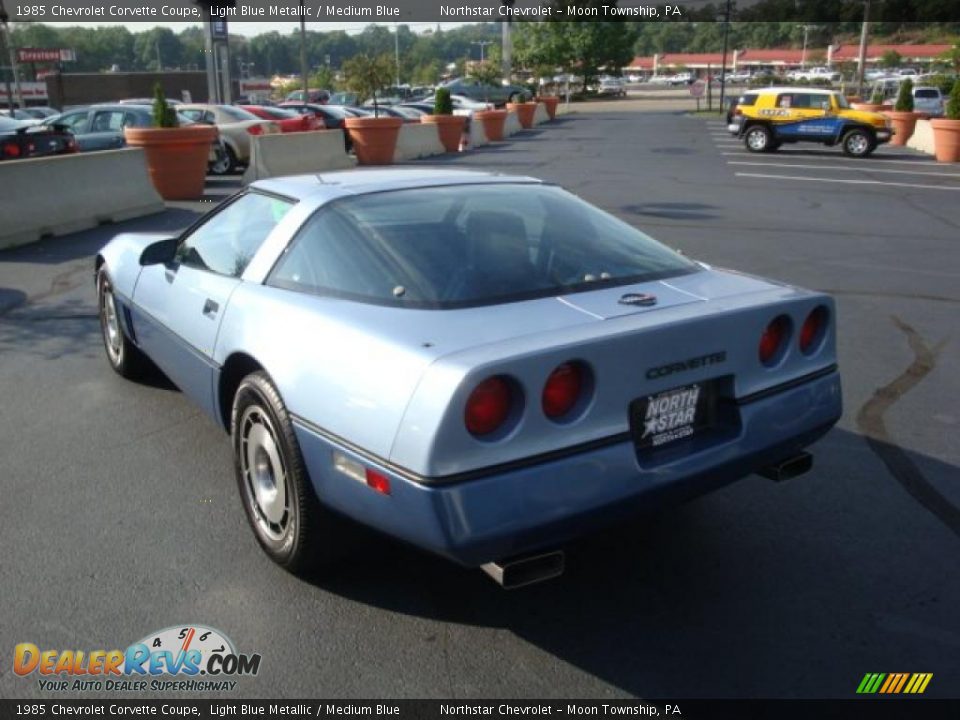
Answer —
(758, 138)
(124, 357)
(858, 143)
(229, 166)
(291, 526)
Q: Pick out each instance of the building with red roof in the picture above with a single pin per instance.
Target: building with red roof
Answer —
(783, 58)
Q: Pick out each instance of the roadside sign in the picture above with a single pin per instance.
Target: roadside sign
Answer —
(697, 88)
(30, 55)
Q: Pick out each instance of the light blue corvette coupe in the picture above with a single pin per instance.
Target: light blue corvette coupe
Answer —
(481, 365)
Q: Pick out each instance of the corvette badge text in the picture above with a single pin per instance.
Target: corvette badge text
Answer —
(179, 658)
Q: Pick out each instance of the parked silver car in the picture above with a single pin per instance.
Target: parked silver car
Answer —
(928, 100)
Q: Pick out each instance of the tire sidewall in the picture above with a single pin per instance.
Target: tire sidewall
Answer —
(849, 135)
(257, 390)
(765, 131)
(104, 287)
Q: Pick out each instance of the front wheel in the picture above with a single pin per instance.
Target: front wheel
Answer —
(124, 357)
(758, 138)
(857, 143)
(287, 519)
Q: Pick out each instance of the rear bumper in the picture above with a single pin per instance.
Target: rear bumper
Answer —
(530, 508)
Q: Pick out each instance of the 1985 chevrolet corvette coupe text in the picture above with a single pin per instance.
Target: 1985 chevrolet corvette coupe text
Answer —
(484, 366)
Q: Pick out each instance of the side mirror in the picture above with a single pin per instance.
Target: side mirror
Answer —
(159, 253)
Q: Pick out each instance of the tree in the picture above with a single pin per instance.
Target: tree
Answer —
(486, 73)
(891, 59)
(580, 47)
(365, 74)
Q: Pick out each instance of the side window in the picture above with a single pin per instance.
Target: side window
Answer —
(208, 118)
(107, 121)
(77, 121)
(227, 242)
(194, 115)
(134, 120)
(785, 101)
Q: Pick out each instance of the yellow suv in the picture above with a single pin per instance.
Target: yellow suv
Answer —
(768, 117)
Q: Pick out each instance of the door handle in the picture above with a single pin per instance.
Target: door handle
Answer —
(210, 308)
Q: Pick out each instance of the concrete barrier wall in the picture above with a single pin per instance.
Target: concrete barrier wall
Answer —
(922, 138)
(416, 141)
(296, 153)
(478, 138)
(541, 115)
(67, 193)
(512, 126)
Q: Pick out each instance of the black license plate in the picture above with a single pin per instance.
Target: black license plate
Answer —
(672, 415)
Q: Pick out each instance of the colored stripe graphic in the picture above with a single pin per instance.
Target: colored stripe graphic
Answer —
(894, 683)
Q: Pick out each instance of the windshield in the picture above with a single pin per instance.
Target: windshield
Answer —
(841, 101)
(459, 246)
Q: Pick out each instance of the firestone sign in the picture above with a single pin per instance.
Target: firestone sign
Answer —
(30, 55)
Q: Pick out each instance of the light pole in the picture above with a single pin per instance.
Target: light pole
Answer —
(723, 64)
(482, 44)
(303, 55)
(862, 58)
(8, 38)
(396, 49)
(803, 54)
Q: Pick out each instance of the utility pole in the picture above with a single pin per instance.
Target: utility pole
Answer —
(506, 48)
(396, 49)
(304, 70)
(803, 55)
(723, 68)
(8, 38)
(482, 44)
(862, 60)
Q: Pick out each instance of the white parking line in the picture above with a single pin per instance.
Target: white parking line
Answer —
(847, 182)
(847, 168)
(864, 161)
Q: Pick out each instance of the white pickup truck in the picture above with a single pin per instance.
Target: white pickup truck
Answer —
(815, 73)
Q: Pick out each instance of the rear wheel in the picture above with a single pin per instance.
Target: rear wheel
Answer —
(281, 505)
(858, 143)
(124, 357)
(758, 138)
(225, 164)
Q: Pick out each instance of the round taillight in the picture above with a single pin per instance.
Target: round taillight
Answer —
(812, 329)
(11, 150)
(488, 406)
(562, 390)
(773, 338)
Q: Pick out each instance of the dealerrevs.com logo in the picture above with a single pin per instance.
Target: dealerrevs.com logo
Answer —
(179, 658)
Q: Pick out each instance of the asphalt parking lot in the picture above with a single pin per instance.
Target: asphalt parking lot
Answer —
(120, 514)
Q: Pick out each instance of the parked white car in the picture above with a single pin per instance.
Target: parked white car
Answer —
(612, 86)
(236, 127)
(928, 100)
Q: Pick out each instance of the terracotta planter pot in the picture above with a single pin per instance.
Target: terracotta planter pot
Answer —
(551, 102)
(946, 139)
(867, 107)
(904, 123)
(493, 121)
(176, 158)
(449, 128)
(374, 139)
(525, 113)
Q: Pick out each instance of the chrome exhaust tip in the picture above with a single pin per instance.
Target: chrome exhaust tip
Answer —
(790, 468)
(525, 570)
